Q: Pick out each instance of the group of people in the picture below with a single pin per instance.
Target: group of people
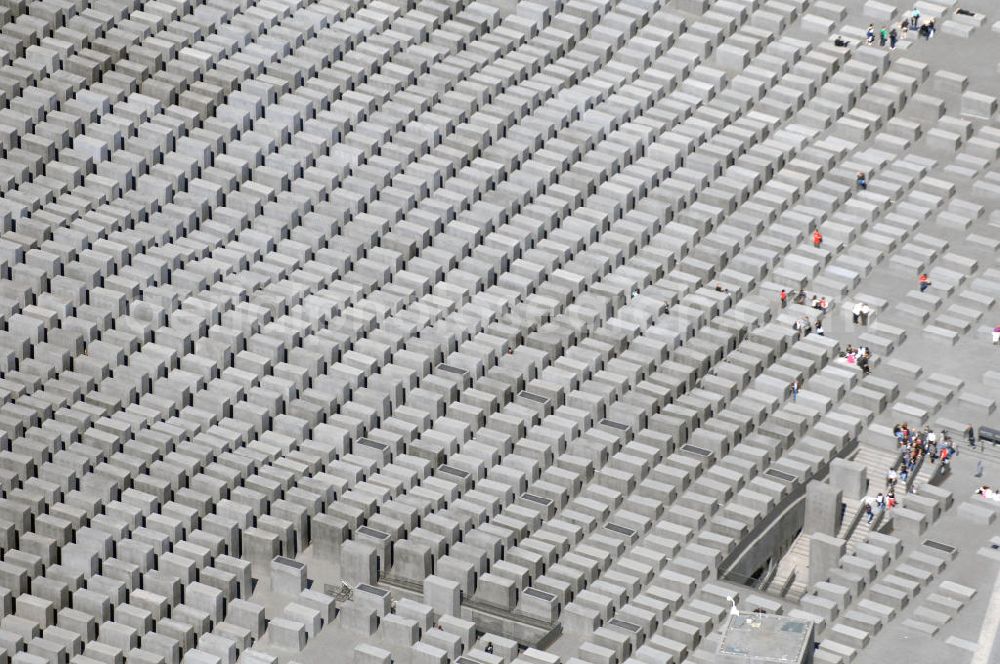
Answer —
(860, 313)
(860, 357)
(885, 35)
(801, 297)
(924, 443)
(879, 503)
(916, 445)
(927, 29)
(891, 35)
(806, 326)
(987, 493)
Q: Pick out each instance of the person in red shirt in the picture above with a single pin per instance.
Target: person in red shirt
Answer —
(925, 282)
(784, 298)
(817, 238)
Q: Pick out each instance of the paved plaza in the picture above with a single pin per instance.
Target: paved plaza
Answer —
(495, 332)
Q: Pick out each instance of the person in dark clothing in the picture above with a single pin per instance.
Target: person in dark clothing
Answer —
(970, 435)
(489, 648)
(862, 182)
(893, 36)
(841, 42)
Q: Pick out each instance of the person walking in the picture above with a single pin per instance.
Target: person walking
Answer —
(915, 18)
(883, 36)
(817, 238)
(856, 313)
(924, 281)
(784, 298)
(871, 34)
(893, 37)
(904, 28)
(795, 390)
(930, 29)
(970, 435)
(862, 182)
(979, 467)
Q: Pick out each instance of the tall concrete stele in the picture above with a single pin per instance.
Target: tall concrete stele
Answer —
(755, 638)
